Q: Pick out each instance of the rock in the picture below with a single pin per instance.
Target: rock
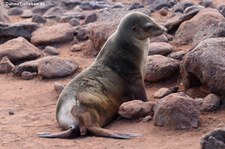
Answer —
(51, 50)
(5, 65)
(15, 11)
(15, 30)
(38, 19)
(160, 67)
(53, 12)
(66, 17)
(147, 118)
(11, 112)
(161, 48)
(18, 50)
(196, 8)
(208, 23)
(136, 109)
(74, 22)
(206, 3)
(161, 38)
(29, 66)
(181, 6)
(205, 64)
(135, 5)
(4, 18)
(75, 48)
(221, 9)
(162, 92)
(55, 67)
(174, 22)
(90, 18)
(177, 111)
(159, 4)
(210, 103)
(92, 5)
(99, 33)
(58, 87)
(70, 4)
(177, 55)
(82, 33)
(39, 9)
(26, 75)
(163, 12)
(214, 139)
(27, 14)
(53, 34)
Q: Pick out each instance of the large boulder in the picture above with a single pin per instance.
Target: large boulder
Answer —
(160, 67)
(177, 111)
(205, 64)
(52, 34)
(19, 49)
(207, 23)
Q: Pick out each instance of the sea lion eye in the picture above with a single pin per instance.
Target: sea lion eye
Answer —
(148, 26)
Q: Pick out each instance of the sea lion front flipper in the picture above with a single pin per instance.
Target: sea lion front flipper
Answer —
(72, 132)
(98, 131)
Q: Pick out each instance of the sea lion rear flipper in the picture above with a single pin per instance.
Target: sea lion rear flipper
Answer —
(98, 131)
(72, 132)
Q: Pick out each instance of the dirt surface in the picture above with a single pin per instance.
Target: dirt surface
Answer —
(28, 107)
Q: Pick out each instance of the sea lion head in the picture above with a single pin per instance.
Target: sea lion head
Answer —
(140, 26)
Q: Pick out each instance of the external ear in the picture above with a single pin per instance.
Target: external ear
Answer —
(134, 27)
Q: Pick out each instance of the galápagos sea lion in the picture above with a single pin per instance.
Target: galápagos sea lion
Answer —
(92, 99)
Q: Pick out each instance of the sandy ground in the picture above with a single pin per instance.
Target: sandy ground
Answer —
(28, 107)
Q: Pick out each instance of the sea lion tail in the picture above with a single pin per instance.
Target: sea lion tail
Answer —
(98, 131)
(72, 132)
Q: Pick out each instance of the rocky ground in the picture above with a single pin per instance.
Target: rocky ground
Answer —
(43, 47)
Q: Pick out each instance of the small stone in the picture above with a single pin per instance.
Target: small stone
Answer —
(161, 48)
(210, 103)
(58, 87)
(76, 48)
(26, 75)
(177, 55)
(162, 92)
(38, 19)
(15, 11)
(90, 18)
(136, 6)
(136, 109)
(163, 12)
(53, 12)
(147, 118)
(5, 65)
(27, 14)
(51, 50)
(11, 112)
(74, 22)
(82, 34)
(160, 67)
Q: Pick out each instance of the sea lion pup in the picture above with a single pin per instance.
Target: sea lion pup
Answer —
(92, 99)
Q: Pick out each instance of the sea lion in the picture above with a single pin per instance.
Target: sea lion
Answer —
(92, 99)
